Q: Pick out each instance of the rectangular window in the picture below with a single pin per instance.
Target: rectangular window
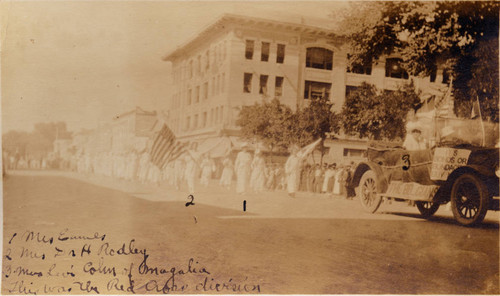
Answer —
(222, 80)
(212, 116)
(189, 98)
(207, 60)
(264, 55)
(204, 120)
(195, 123)
(205, 90)
(217, 115)
(188, 122)
(278, 87)
(249, 49)
(393, 69)
(349, 89)
(224, 50)
(317, 90)
(190, 69)
(221, 113)
(263, 84)
(359, 68)
(446, 76)
(348, 152)
(198, 69)
(213, 86)
(280, 54)
(247, 83)
(217, 85)
(197, 94)
(319, 58)
(433, 74)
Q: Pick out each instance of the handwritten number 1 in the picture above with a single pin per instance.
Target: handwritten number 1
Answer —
(406, 162)
(190, 203)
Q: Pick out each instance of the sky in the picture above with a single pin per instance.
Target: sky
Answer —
(86, 62)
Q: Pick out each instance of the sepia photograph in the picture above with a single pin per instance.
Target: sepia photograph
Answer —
(250, 147)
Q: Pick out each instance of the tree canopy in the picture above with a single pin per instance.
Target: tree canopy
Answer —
(460, 35)
(38, 142)
(386, 118)
(277, 126)
(269, 122)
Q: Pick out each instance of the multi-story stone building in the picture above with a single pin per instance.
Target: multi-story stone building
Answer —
(240, 60)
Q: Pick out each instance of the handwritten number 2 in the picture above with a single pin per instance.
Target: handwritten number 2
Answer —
(190, 203)
(406, 162)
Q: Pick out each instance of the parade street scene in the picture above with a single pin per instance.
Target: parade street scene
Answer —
(175, 147)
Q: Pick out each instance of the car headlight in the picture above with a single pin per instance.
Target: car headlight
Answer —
(497, 171)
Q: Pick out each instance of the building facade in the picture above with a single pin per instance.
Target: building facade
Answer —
(239, 60)
(125, 132)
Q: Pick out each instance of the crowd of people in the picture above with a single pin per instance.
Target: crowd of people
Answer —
(248, 172)
(15, 161)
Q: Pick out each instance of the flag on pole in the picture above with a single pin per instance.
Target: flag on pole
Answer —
(476, 110)
(476, 113)
(308, 149)
(165, 147)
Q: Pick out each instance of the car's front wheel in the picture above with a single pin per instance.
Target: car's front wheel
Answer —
(469, 199)
(427, 209)
(368, 192)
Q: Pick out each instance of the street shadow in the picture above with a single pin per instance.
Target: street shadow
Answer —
(444, 220)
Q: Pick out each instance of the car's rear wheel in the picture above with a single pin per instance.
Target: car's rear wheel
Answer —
(368, 192)
(469, 199)
(427, 209)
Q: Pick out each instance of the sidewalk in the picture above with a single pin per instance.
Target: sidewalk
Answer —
(275, 204)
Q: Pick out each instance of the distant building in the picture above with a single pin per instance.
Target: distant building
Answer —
(240, 60)
(126, 132)
(132, 129)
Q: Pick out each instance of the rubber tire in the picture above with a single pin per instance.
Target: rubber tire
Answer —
(372, 206)
(483, 199)
(427, 212)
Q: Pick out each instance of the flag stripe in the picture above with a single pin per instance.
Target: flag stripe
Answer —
(165, 147)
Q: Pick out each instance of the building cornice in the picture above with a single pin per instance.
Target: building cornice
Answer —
(223, 22)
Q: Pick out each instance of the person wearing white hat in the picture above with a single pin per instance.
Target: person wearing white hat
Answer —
(414, 140)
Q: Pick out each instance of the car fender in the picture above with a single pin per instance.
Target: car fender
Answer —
(483, 173)
(362, 167)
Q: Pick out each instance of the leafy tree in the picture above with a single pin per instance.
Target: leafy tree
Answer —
(277, 126)
(317, 120)
(38, 142)
(269, 122)
(461, 35)
(369, 112)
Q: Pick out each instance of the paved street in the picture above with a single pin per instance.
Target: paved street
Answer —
(309, 244)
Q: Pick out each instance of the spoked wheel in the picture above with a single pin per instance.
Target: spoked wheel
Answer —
(368, 192)
(427, 209)
(469, 199)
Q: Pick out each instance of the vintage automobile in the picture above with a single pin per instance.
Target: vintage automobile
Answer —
(467, 176)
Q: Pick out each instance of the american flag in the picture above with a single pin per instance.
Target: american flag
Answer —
(165, 147)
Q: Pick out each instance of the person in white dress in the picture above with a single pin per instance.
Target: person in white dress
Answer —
(242, 167)
(207, 167)
(337, 185)
(178, 173)
(227, 173)
(293, 166)
(329, 173)
(190, 171)
(258, 177)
